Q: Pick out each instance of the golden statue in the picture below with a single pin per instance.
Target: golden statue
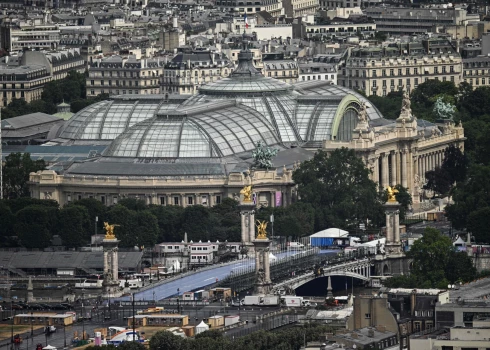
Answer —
(261, 227)
(109, 230)
(391, 194)
(247, 193)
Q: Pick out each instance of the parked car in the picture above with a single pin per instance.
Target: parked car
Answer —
(35, 307)
(59, 307)
(45, 306)
(68, 306)
(16, 307)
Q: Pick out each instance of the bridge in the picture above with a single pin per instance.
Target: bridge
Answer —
(360, 269)
(292, 268)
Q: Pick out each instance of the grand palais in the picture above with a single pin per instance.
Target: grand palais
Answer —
(197, 149)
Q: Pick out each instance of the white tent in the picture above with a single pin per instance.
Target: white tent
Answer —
(202, 327)
(331, 233)
(49, 347)
(272, 257)
(328, 237)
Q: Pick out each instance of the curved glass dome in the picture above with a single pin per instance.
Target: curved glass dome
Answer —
(106, 120)
(326, 88)
(272, 98)
(207, 131)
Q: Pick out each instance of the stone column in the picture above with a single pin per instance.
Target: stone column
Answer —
(115, 264)
(389, 228)
(251, 226)
(396, 228)
(376, 172)
(398, 167)
(404, 167)
(393, 168)
(267, 267)
(385, 170)
(244, 227)
(273, 199)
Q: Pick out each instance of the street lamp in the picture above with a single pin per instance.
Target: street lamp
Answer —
(32, 329)
(12, 328)
(83, 318)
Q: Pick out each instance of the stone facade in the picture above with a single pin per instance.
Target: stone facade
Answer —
(178, 190)
(402, 154)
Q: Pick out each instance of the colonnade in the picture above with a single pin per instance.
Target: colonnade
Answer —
(400, 167)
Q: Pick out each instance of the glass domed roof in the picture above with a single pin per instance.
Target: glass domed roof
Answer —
(106, 120)
(272, 98)
(212, 130)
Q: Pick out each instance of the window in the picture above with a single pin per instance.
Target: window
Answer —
(383, 72)
(407, 71)
(399, 71)
(102, 199)
(162, 200)
(392, 72)
(176, 200)
(415, 71)
(218, 199)
(384, 83)
(436, 70)
(374, 83)
(374, 73)
(190, 200)
(451, 69)
(114, 200)
(368, 316)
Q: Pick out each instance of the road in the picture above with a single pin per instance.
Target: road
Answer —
(199, 280)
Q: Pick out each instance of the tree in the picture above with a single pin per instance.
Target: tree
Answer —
(7, 220)
(16, 172)
(470, 197)
(403, 197)
(74, 226)
(95, 209)
(33, 226)
(23, 202)
(147, 226)
(169, 222)
(426, 94)
(438, 180)
(131, 345)
(431, 255)
(390, 105)
(127, 229)
(339, 188)
(460, 268)
(166, 340)
(133, 204)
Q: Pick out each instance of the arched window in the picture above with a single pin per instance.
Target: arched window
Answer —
(347, 124)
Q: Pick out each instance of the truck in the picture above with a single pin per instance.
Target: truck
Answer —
(271, 300)
(250, 300)
(292, 301)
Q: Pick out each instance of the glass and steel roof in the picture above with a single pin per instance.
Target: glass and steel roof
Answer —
(106, 120)
(277, 109)
(211, 130)
(233, 85)
(326, 88)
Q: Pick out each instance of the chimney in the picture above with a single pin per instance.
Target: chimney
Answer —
(371, 333)
(381, 328)
(413, 300)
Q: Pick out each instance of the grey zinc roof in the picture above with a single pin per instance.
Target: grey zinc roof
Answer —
(66, 259)
(144, 169)
(28, 120)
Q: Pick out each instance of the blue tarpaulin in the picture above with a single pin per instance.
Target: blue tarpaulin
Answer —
(321, 241)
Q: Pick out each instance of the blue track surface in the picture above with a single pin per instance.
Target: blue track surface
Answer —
(200, 279)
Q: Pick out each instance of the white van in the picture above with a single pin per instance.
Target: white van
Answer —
(295, 246)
